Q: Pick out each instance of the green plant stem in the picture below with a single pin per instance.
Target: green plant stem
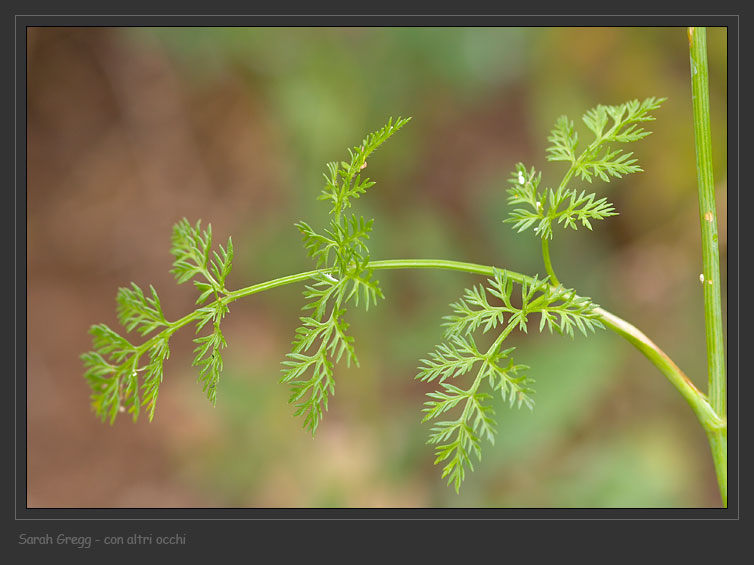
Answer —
(710, 251)
(708, 418)
(712, 424)
(548, 265)
(708, 220)
(718, 442)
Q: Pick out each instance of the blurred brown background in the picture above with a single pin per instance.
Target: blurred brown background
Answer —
(129, 130)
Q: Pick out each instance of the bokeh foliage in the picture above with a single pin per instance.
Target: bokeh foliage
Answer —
(607, 429)
(322, 87)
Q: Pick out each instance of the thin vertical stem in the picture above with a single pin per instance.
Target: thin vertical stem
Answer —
(713, 319)
(718, 442)
(548, 264)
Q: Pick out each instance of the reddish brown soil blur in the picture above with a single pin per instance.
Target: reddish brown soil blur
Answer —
(96, 151)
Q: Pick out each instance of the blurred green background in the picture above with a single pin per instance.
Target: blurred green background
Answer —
(129, 130)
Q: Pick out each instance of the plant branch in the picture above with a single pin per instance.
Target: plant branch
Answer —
(709, 419)
(711, 422)
(707, 416)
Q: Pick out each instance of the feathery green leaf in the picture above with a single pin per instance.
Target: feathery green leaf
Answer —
(484, 308)
(609, 124)
(342, 252)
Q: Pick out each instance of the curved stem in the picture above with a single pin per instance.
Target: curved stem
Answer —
(548, 265)
(709, 419)
(706, 415)
(715, 426)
